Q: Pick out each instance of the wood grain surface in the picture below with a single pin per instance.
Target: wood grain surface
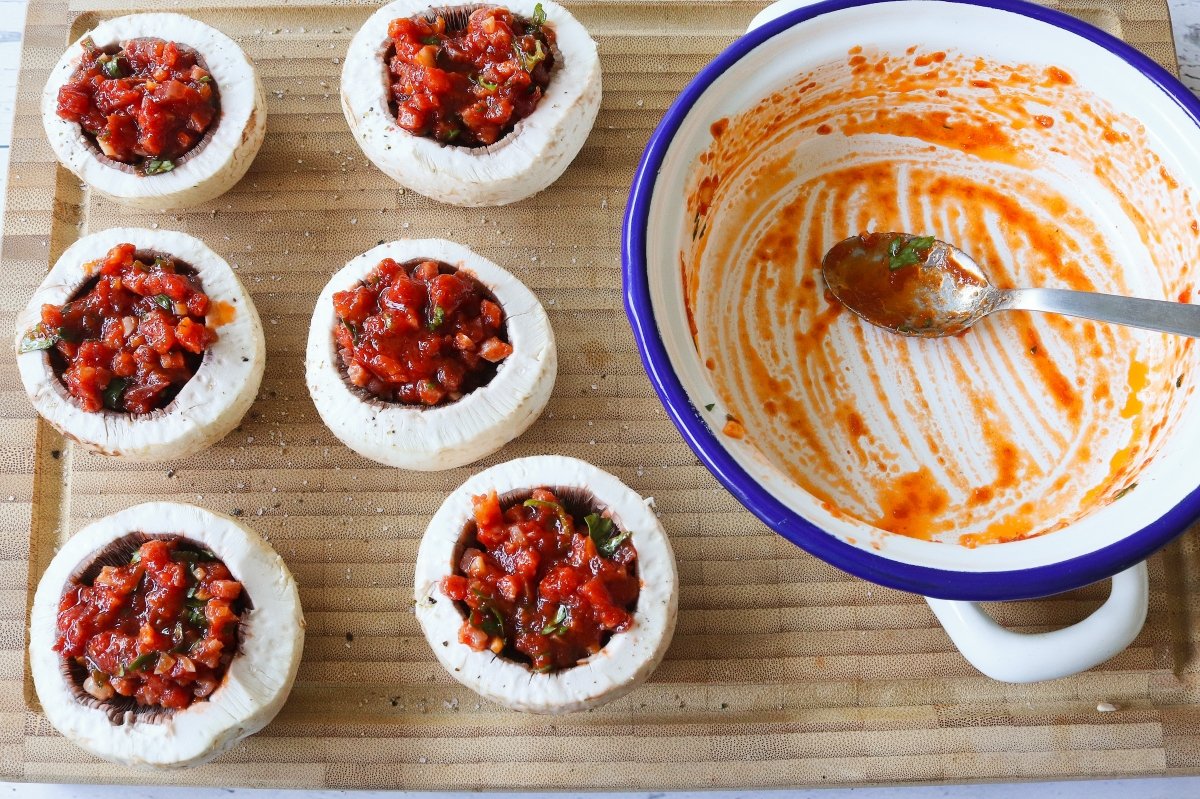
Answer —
(784, 671)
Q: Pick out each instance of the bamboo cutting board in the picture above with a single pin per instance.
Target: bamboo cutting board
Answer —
(783, 670)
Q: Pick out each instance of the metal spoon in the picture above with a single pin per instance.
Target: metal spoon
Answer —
(919, 286)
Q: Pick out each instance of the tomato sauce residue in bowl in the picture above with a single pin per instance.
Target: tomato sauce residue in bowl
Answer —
(147, 104)
(1015, 428)
(160, 629)
(421, 333)
(132, 337)
(468, 85)
(541, 586)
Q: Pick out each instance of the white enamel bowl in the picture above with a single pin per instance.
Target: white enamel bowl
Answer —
(1114, 538)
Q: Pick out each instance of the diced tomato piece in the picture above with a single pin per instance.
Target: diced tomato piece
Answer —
(190, 335)
(495, 350)
(455, 586)
(473, 637)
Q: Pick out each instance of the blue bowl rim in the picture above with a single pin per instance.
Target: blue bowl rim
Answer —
(1011, 584)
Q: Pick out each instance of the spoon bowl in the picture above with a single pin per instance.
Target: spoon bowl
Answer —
(920, 286)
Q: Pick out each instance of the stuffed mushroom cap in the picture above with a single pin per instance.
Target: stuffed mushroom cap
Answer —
(255, 685)
(445, 436)
(210, 405)
(629, 656)
(214, 165)
(528, 159)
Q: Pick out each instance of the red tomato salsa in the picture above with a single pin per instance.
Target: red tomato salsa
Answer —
(146, 104)
(161, 629)
(131, 338)
(468, 86)
(540, 585)
(419, 333)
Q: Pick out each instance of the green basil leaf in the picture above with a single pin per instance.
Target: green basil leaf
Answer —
(164, 302)
(112, 394)
(439, 316)
(38, 338)
(434, 40)
(196, 617)
(560, 623)
(902, 254)
(604, 534)
(111, 67)
(158, 166)
(529, 61)
(491, 622)
(139, 663)
(484, 83)
(564, 518)
(1125, 490)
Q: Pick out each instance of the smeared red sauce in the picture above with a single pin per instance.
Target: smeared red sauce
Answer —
(734, 429)
(542, 585)
(911, 503)
(420, 333)
(131, 338)
(147, 104)
(471, 86)
(161, 629)
(1017, 427)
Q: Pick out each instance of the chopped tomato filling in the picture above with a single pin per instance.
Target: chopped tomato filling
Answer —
(542, 586)
(161, 629)
(419, 333)
(131, 340)
(468, 86)
(147, 104)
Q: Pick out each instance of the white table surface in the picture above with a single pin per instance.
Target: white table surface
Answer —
(1185, 17)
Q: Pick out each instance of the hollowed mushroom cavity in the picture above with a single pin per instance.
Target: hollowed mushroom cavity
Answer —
(132, 169)
(58, 363)
(479, 377)
(457, 18)
(578, 502)
(125, 709)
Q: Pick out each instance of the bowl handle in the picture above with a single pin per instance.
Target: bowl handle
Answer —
(1029, 657)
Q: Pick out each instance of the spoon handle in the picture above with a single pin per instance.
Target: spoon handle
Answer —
(1166, 317)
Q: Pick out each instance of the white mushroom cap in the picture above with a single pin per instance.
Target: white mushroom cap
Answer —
(531, 157)
(206, 408)
(446, 436)
(206, 172)
(628, 657)
(259, 677)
